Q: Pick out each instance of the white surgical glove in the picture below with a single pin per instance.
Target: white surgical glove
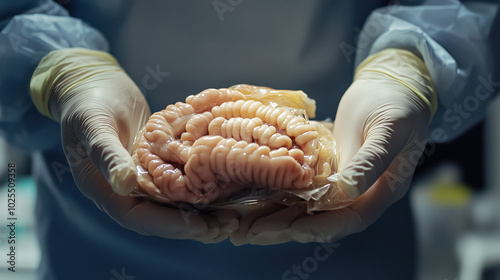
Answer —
(101, 110)
(380, 130)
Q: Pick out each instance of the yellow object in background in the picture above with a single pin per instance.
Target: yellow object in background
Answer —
(450, 194)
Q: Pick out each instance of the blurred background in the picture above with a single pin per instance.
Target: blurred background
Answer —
(27, 250)
(455, 198)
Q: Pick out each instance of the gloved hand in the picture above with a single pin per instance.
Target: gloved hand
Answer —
(101, 110)
(380, 130)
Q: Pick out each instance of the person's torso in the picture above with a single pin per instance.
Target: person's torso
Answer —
(194, 45)
(176, 48)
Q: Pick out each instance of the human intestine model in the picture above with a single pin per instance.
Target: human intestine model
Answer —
(221, 141)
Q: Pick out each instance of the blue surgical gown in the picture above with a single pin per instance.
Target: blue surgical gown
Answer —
(175, 48)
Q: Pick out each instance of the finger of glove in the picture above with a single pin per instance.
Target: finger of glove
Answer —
(240, 236)
(275, 228)
(333, 225)
(212, 233)
(330, 226)
(99, 135)
(385, 137)
(389, 188)
(327, 226)
(136, 213)
(225, 221)
(396, 181)
(147, 218)
(228, 220)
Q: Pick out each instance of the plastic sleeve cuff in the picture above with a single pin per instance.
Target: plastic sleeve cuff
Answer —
(76, 62)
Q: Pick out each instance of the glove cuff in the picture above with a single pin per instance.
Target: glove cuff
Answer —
(406, 68)
(70, 66)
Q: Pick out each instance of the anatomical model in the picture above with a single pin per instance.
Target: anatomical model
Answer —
(222, 141)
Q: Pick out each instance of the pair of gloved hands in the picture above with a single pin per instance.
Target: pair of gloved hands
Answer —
(380, 130)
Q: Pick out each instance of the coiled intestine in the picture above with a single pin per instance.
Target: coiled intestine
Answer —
(220, 141)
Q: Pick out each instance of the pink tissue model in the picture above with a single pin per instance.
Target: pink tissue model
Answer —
(220, 141)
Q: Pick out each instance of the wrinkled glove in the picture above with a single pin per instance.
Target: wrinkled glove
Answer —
(101, 110)
(380, 130)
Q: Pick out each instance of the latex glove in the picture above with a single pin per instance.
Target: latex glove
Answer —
(380, 130)
(101, 110)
